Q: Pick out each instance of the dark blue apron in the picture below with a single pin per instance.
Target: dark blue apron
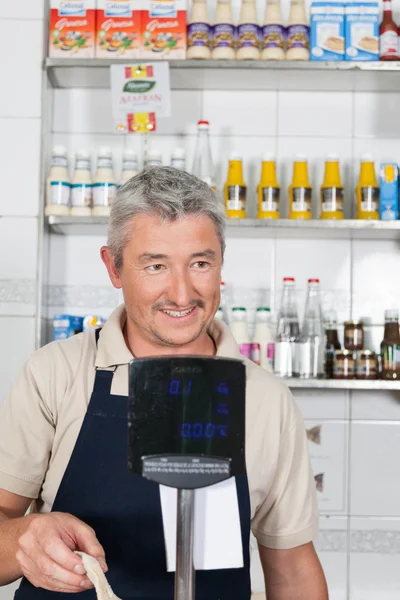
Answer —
(124, 509)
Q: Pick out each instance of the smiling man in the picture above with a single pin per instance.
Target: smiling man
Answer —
(61, 442)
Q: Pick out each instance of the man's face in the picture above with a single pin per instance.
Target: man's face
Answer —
(171, 278)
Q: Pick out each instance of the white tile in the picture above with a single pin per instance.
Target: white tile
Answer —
(23, 9)
(375, 114)
(374, 559)
(20, 150)
(247, 251)
(382, 150)
(375, 287)
(367, 405)
(316, 149)
(328, 449)
(186, 110)
(75, 260)
(375, 471)
(20, 335)
(18, 248)
(82, 111)
(332, 551)
(21, 73)
(322, 404)
(238, 113)
(315, 114)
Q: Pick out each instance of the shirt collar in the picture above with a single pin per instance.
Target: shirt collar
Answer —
(112, 350)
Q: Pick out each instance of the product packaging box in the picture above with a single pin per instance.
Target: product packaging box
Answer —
(163, 30)
(389, 192)
(72, 28)
(362, 30)
(327, 40)
(65, 326)
(118, 29)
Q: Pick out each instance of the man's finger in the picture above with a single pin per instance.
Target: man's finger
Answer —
(59, 552)
(87, 541)
(39, 578)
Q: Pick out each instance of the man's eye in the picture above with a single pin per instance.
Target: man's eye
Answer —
(201, 264)
(155, 267)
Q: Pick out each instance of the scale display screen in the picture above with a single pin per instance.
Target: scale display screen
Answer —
(187, 406)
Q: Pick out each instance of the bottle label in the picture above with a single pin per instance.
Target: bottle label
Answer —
(224, 35)
(270, 354)
(270, 199)
(199, 34)
(104, 163)
(81, 194)
(298, 36)
(388, 44)
(332, 199)
(59, 193)
(255, 353)
(236, 197)
(59, 161)
(284, 359)
(390, 357)
(103, 193)
(369, 199)
(248, 36)
(83, 163)
(245, 350)
(272, 36)
(301, 200)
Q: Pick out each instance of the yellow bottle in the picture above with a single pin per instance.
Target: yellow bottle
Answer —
(367, 191)
(268, 190)
(332, 199)
(235, 189)
(300, 190)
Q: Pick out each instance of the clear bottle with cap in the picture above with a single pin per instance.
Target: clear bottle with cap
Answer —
(81, 185)
(310, 347)
(240, 330)
(235, 189)
(178, 159)
(273, 32)
(202, 162)
(332, 192)
(58, 184)
(268, 190)
(248, 32)
(104, 186)
(130, 166)
(298, 32)
(390, 346)
(300, 190)
(224, 32)
(153, 159)
(262, 347)
(199, 32)
(367, 191)
(288, 332)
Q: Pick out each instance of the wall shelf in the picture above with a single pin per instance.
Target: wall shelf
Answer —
(343, 384)
(249, 75)
(346, 229)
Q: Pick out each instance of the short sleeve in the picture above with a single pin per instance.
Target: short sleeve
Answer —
(288, 517)
(26, 434)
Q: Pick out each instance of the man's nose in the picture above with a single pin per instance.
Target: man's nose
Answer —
(180, 290)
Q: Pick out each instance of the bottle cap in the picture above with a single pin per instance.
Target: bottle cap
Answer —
(59, 151)
(239, 308)
(300, 158)
(288, 279)
(263, 309)
(235, 156)
(367, 158)
(332, 157)
(82, 154)
(178, 153)
(129, 154)
(153, 156)
(268, 157)
(392, 313)
(105, 151)
(313, 281)
(203, 125)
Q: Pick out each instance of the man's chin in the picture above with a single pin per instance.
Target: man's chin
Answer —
(175, 338)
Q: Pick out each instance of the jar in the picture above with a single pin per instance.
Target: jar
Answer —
(353, 335)
(344, 365)
(367, 365)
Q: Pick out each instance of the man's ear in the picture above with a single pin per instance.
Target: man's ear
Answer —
(108, 260)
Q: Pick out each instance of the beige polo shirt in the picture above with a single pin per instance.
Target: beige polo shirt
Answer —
(43, 413)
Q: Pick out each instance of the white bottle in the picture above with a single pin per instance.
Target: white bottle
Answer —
(298, 32)
(58, 184)
(263, 340)
(81, 186)
(224, 32)
(129, 166)
(219, 315)
(104, 187)
(273, 32)
(248, 32)
(178, 159)
(199, 32)
(240, 330)
(153, 159)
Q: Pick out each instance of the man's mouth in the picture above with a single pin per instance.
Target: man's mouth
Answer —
(179, 313)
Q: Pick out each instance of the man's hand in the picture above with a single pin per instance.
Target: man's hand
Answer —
(46, 552)
(294, 574)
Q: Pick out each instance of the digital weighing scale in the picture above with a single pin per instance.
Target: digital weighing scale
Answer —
(186, 419)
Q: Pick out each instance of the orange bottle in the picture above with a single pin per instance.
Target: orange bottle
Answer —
(332, 199)
(268, 190)
(367, 190)
(300, 190)
(235, 189)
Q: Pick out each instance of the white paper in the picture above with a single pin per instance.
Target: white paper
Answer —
(217, 533)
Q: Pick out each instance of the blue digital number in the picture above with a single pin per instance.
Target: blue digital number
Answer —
(197, 430)
(186, 430)
(189, 387)
(175, 387)
(200, 431)
(210, 430)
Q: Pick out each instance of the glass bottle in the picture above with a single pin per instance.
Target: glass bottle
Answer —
(310, 345)
(202, 163)
(390, 346)
(331, 343)
(288, 331)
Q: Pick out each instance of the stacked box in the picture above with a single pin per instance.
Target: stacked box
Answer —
(72, 28)
(118, 29)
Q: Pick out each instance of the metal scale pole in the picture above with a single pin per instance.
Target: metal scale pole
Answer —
(185, 573)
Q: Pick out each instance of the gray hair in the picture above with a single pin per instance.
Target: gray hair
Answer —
(170, 193)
